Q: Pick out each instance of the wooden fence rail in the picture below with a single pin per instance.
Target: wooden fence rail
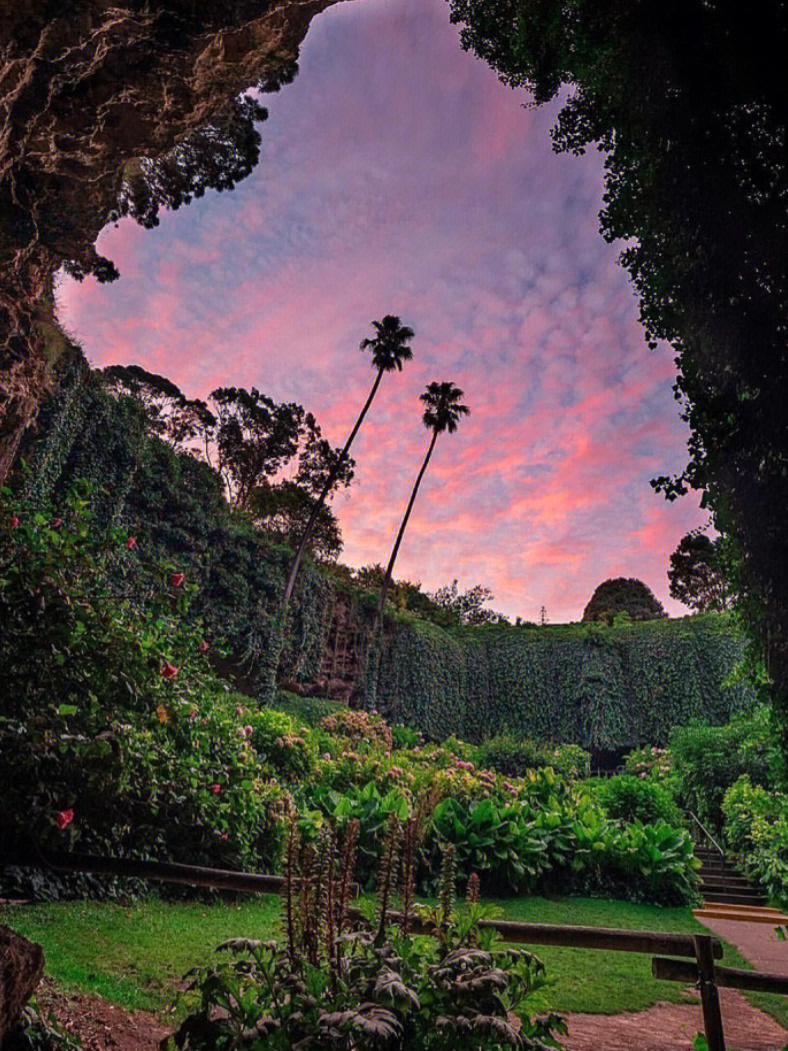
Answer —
(702, 949)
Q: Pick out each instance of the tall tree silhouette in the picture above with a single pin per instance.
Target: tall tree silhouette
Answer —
(389, 349)
(443, 412)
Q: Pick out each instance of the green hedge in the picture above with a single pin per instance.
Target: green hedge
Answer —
(600, 687)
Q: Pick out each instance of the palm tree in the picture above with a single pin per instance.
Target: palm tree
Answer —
(389, 348)
(443, 412)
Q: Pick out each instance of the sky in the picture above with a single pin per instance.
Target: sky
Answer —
(397, 175)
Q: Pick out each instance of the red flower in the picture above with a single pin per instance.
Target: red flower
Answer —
(64, 818)
(14, 522)
(169, 671)
(204, 645)
(57, 523)
(131, 542)
(216, 789)
(177, 579)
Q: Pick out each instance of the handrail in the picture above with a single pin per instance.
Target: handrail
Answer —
(706, 833)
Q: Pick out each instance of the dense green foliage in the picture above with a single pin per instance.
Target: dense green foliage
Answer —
(756, 829)
(176, 506)
(600, 687)
(114, 730)
(629, 798)
(623, 596)
(697, 573)
(686, 99)
(709, 759)
(730, 777)
(118, 737)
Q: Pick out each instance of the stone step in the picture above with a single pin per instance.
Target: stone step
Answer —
(741, 913)
(725, 879)
(717, 897)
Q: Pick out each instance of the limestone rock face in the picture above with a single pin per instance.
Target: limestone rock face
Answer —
(21, 966)
(112, 107)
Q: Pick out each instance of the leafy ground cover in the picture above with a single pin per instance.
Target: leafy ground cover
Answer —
(135, 955)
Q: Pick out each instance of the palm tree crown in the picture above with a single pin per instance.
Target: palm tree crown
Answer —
(389, 345)
(444, 408)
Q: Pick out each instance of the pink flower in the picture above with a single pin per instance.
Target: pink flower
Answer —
(57, 523)
(177, 579)
(131, 542)
(216, 789)
(193, 713)
(13, 522)
(64, 818)
(204, 645)
(327, 756)
(239, 709)
(169, 671)
(225, 836)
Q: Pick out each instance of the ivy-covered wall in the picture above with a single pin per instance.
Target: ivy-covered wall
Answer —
(174, 504)
(601, 687)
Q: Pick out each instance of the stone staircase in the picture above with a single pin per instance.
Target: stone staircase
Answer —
(728, 895)
(722, 883)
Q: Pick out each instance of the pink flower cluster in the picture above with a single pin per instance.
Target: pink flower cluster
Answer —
(64, 818)
(463, 764)
(395, 773)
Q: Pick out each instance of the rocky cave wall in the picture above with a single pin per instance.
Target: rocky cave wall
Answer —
(89, 89)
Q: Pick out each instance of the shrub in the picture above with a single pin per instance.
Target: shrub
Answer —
(278, 740)
(514, 756)
(406, 737)
(307, 711)
(756, 828)
(114, 731)
(628, 798)
(649, 761)
(358, 727)
(342, 982)
(709, 759)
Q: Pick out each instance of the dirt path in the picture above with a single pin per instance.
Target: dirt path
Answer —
(671, 1027)
(757, 943)
(101, 1026)
(666, 1027)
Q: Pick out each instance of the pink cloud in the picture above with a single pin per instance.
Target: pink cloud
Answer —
(434, 194)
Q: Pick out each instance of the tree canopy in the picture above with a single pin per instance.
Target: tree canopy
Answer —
(687, 101)
(696, 574)
(623, 595)
(271, 457)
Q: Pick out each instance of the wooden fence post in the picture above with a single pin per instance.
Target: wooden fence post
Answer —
(709, 994)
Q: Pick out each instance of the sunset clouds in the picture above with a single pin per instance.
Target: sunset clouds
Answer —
(398, 176)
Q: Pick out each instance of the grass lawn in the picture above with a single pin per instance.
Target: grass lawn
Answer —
(135, 955)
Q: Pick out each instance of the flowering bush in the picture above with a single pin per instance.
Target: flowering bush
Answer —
(113, 728)
(359, 727)
(648, 762)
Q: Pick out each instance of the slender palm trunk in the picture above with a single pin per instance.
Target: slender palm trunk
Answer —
(276, 640)
(375, 645)
(332, 477)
